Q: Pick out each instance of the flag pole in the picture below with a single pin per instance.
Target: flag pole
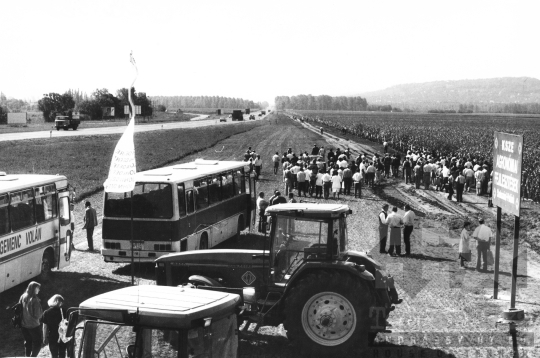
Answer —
(123, 168)
(132, 259)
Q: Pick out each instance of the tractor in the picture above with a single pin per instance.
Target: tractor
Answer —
(328, 298)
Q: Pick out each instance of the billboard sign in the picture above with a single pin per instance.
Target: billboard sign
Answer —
(507, 157)
(16, 118)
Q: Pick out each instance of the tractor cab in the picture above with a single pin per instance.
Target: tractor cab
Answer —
(305, 233)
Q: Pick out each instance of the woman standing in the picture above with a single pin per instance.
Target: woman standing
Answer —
(51, 320)
(30, 325)
(464, 249)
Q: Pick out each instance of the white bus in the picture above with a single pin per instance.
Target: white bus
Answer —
(189, 206)
(36, 228)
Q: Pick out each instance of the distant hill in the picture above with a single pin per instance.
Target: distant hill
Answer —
(483, 93)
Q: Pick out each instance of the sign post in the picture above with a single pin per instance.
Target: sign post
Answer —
(507, 158)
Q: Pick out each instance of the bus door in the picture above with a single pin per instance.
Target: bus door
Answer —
(251, 189)
(65, 230)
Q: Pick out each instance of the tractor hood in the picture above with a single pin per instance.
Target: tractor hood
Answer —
(222, 257)
(361, 258)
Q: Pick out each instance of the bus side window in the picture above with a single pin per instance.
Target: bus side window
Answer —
(21, 209)
(201, 189)
(181, 200)
(190, 201)
(4, 215)
(239, 186)
(227, 185)
(45, 203)
(214, 189)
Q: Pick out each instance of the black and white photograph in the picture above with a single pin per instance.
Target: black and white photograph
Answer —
(269, 179)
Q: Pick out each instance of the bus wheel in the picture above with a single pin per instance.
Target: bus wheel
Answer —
(46, 265)
(203, 245)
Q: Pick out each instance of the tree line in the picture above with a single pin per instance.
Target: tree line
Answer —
(180, 102)
(322, 102)
(53, 104)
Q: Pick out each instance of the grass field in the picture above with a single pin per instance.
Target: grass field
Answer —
(441, 301)
(85, 160)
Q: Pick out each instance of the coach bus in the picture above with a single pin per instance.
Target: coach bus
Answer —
(190, 206)
(36, 227)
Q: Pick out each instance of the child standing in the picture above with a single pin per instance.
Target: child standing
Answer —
(464, 249)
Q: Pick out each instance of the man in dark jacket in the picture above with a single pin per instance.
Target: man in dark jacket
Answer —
(90, 222)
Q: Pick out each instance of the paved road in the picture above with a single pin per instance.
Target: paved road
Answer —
(195, 122)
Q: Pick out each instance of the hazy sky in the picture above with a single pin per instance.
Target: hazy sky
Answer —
(259, 49)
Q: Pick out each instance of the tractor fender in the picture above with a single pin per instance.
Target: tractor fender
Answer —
(203, 280)
(350, 267)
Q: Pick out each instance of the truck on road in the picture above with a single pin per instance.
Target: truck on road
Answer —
(66, 122)
(237, 115)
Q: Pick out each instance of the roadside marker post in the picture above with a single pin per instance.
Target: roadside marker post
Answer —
(507, 159)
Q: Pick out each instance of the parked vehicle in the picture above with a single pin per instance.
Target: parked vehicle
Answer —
(251, 116)
(329, 298)
(151, 321)
(189, 206)
(65, 122)
(223, 119)
(36, 227)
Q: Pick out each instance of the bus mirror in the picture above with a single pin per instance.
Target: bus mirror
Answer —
(72, 226)
(72, 323)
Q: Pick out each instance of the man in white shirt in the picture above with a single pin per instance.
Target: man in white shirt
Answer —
(479, 176)
(327, 184)
(319, 184)
(262, 204)
(258, 166)
(483, 235)
(383, 229)
(394, 222)
(275, 160)
(357, 180)
(408, 223)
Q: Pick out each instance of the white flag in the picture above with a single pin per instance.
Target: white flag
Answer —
(123, 168)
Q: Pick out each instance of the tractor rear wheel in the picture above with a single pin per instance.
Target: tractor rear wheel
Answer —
(328, 312)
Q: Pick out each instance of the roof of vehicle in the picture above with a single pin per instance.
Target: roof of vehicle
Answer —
(299, 209)
(12, 182)
(187, 171)
(161, 306)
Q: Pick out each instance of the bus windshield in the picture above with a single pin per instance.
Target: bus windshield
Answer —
(150, 201)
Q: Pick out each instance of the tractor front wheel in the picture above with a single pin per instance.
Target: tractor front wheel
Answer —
(328, 312)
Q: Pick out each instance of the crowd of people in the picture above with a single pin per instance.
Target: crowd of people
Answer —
(321, 172)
